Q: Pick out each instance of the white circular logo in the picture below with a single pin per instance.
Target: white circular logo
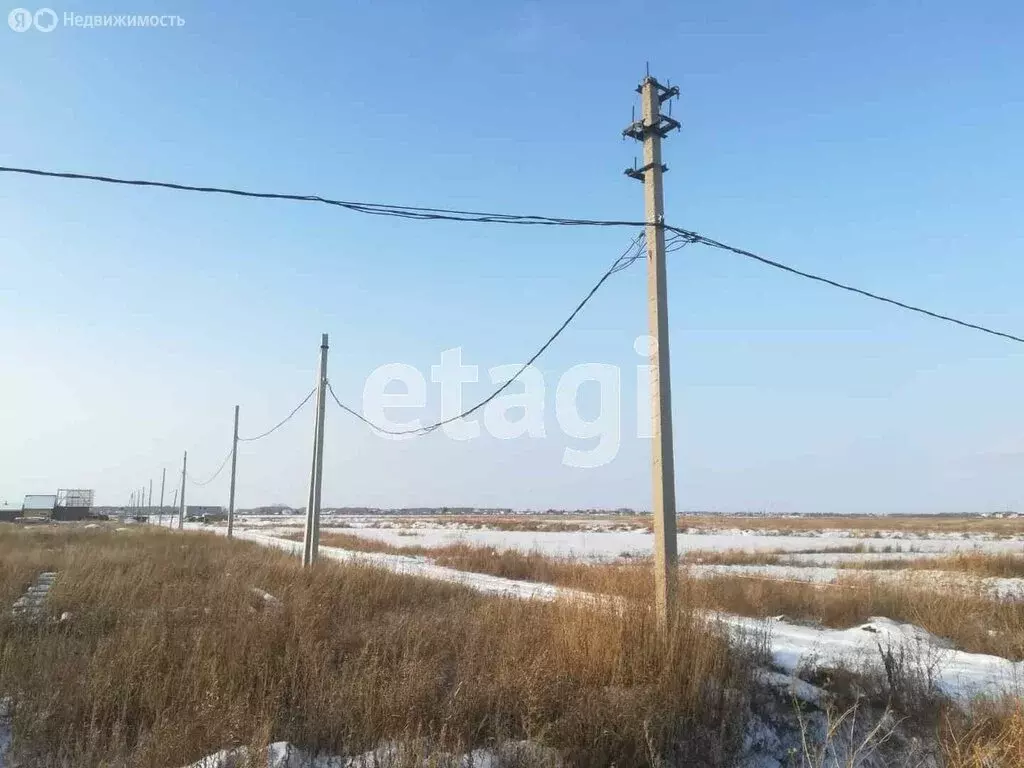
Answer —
(45, 19)
(20, 19)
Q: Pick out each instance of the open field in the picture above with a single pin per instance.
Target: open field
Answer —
(176, 645)
(604, 540)
(167, 654)
(862, 525)
(974, 621)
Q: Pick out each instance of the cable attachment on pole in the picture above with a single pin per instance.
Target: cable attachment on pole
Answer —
(660, 125)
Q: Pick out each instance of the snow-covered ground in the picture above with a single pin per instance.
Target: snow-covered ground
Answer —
(1000, 588)
(603, 544)
(808, 558)
(792, 647)
(958, 674)
(281, 754)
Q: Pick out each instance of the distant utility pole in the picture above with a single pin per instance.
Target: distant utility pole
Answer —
(650, 129)
(234, 466)
(311, 540)
(181, 507)
(149, 506)
(163, 482)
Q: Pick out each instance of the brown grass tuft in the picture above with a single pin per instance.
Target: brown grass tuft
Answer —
(167, 657)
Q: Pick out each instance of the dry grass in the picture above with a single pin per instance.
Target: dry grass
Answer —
(168, 657)
(862, 525)
(557, 523)
(999, 564)
(990, 736)
(970, 617)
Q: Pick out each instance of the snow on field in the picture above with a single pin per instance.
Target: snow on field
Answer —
(956, 673)
(606, 545)
(419, 566)
(959, 674)
(281, 754)
(1000, 588)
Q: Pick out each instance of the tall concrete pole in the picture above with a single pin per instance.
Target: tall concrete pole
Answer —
(234, 466)
(163, 483)
(149, 505)
(181, 500)
(311, 540)
(650, 130)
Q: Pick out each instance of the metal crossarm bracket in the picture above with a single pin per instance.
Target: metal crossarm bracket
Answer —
(666, 124)
(665, 92)
(637, 130)
(638, 173)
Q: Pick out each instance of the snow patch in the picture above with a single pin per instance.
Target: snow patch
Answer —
(957, 674)
(282, 754)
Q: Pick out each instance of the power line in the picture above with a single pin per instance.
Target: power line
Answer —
(629, 256)
(281, 423)
(448, 214)
(212, 477)
(694, 237)
(375, 209)
(273, 429)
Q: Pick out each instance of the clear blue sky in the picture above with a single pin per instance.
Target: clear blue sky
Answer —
(878, 143)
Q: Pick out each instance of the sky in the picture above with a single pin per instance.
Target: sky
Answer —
(876, 143)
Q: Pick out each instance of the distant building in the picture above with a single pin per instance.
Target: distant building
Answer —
(205, 514)
(39, 505)
(66, 504)
(73, 504)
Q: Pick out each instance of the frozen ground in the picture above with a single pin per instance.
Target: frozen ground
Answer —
(959, 674)
(809, 558)
(600, 543)
(1001, 588)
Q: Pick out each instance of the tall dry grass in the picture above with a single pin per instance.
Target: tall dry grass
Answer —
(990, 735)
(999, 564)
(169, 655)
(863, 525)
(968, 615)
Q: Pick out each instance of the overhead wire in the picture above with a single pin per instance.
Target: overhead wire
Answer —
(213, 477)
(449, 214)
(702, 240)
(270, 431)
(281, 423)
(377, 209)
(633, 252)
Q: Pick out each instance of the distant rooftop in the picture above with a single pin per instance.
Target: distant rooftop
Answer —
(39, 502)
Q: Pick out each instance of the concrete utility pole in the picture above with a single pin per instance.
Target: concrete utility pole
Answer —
(234, 466)
(311, 540)
(650, 129)
(150, 504)
(163, 482)
(181, 507)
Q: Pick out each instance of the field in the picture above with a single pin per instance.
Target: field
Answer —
(402, 647)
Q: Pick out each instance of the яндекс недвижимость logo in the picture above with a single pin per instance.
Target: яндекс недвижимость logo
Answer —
(22, 19)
